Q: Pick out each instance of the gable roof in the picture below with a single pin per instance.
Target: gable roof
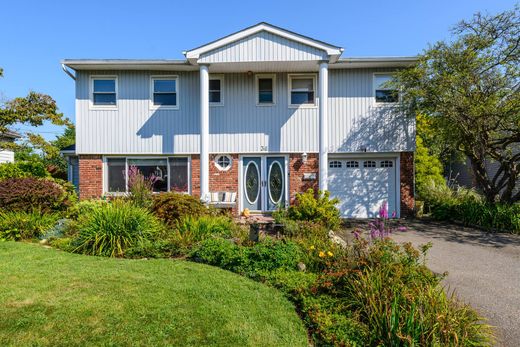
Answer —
(332, 51)
(10, 134)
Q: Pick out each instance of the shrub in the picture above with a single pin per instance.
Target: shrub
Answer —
(189, 230)
(113, 228)
(140, 187)
(388, 289)
(22, 225)
(428, 168)
(85, 207)
(23, 169)
(220, 252)
(171, 207)
(272, 255)
(316, 208)
(253, 261)
(28, 194)
(468, 207)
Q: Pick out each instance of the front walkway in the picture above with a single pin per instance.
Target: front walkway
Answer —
(483, 269)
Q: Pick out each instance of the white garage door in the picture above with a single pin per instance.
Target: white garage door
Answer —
(363, 185)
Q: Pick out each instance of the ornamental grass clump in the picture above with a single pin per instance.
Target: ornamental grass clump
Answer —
(112, 229)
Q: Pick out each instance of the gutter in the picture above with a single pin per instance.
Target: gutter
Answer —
(68, 72)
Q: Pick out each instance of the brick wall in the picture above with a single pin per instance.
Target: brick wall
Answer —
(90, 176)
(407, 184)
(195, 175)
(224, 181)
(296, 170)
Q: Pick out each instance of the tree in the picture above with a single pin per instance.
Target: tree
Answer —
(428, 167)
(34, 110)
(469, 90)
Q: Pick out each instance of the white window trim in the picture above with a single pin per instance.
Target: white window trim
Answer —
(219, 77)
(105, 172)
(257, 89)
(91, 92)
(289, 88)
(164, 77)
(217, 165)
(374, 87)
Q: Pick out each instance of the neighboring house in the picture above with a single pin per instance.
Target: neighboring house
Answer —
(462, 173)
(7, 156)
(263, 113)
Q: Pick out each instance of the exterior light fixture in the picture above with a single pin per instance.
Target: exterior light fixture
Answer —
(304, 157)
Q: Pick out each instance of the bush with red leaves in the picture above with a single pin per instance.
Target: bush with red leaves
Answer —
(33, 194)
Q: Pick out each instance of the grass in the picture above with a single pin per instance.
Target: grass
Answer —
(53, 298)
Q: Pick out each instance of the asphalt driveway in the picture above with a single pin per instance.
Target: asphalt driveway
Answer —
(483, 269)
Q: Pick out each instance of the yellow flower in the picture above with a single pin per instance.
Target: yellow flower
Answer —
(330, 253)
(322, 254)
(311, 248)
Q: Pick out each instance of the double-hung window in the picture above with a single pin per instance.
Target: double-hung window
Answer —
(164, 91)
(265, 90)
(302, 90)
(165, 174)
(215, 90)
(383, 93)
(104, 91)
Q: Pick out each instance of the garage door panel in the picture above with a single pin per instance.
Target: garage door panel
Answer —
(362, 190)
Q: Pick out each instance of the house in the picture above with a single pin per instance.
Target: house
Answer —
(263, 113)
(7, 156)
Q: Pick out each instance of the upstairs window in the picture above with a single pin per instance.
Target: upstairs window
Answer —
(302, 90)
(164, 90)
(104, 91)
(382, 93)
(265, 89)
(215, 90)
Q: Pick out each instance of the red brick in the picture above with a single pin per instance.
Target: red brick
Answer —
(407, 183)
(90, 176)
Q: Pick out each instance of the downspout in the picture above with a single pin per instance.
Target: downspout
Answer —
(71, 75)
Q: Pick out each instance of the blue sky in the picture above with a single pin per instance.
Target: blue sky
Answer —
(36, 35)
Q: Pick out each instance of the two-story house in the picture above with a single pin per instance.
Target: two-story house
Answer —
(263, 113)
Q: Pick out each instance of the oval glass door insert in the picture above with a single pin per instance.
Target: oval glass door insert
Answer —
(252, 182)
(275, 182)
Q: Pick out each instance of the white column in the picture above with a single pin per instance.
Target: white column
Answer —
(324, 142)
(204, 132)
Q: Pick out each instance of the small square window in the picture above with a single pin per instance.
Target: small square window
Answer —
(223, 162)
(215, 90)
(164, 91)
(302, 90)
(104, 91)
(382, 93)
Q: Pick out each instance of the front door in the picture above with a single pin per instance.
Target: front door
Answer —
(263, 183)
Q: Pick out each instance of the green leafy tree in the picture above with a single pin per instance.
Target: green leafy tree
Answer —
(469, 90)
(36, 109)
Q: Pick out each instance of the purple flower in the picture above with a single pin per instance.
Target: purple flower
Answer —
(402, 228)
(356, 234)
(394, 214)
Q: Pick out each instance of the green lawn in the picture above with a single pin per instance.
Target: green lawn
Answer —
(53, 298)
